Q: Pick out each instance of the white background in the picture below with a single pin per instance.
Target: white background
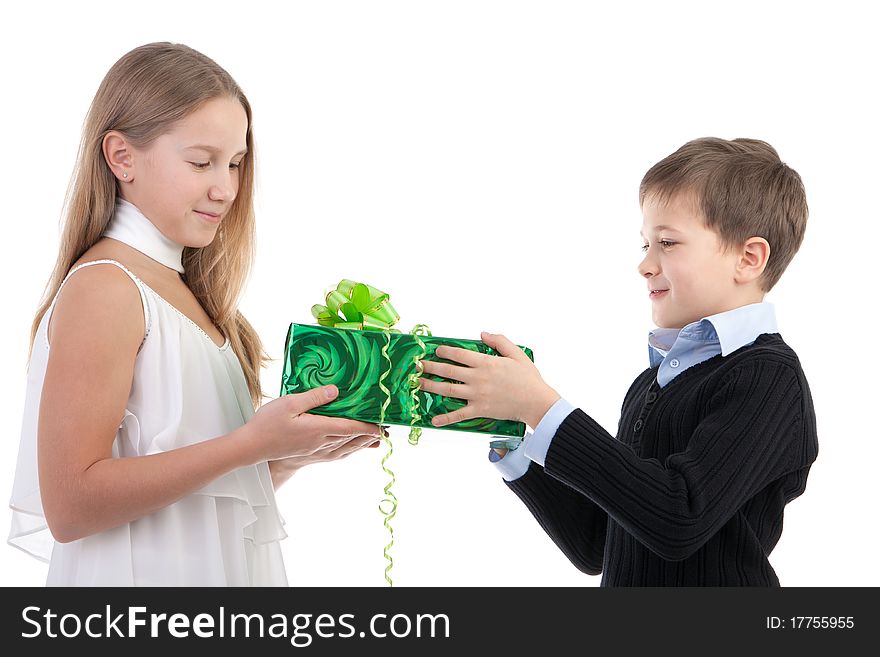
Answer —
(480, 161)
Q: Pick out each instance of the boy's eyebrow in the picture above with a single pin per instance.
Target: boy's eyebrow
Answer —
(211, 149)
(662, 227)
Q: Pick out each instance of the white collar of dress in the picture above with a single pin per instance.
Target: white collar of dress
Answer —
(131, 226)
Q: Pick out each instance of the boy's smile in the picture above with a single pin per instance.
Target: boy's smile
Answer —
(684, 259)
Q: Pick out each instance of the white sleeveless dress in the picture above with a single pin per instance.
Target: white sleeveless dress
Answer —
(185, 390)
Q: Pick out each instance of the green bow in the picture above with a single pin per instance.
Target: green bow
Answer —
(356, 306)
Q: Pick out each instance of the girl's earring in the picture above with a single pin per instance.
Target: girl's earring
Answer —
(125, 175)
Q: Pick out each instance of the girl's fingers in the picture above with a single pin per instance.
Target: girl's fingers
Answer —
(447, 371)
(343, 427)
(353, 445)
(337, 441)
(459, 355)
(446, 389)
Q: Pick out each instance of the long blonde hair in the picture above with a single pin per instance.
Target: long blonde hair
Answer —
(142, 96)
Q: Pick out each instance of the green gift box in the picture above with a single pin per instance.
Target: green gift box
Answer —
(354, 362)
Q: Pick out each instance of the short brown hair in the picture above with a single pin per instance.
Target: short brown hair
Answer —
(742, 189)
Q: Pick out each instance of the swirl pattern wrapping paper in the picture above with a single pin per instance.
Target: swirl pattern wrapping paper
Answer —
(352, 361)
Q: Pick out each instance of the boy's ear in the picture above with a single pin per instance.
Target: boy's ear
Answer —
(118, 154)
(755, 253)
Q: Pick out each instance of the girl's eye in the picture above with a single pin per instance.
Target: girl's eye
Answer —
(661, 242)
(204, 165)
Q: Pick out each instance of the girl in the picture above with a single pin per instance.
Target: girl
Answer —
(142, 460)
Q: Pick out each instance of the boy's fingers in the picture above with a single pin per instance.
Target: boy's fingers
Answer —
(503, 346)
(446, 370)
(446, 389)
(455, 416)
(459, 355)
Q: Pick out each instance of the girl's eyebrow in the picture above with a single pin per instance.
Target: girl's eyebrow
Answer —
(211, 149)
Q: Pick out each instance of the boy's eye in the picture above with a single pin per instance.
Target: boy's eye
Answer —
(663, 243)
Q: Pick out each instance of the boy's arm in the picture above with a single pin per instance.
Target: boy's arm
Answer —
(574, 522)
(753, 433)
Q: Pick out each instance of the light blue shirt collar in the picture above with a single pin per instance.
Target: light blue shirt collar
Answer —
(730, 330)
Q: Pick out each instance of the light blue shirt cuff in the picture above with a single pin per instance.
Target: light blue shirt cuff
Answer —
(514, 464)
(539, 442)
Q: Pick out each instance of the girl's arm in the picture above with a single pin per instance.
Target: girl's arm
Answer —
(96, 328)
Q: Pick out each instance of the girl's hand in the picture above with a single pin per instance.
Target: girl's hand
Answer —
(282, 469)
(504, 387)
(282, 429)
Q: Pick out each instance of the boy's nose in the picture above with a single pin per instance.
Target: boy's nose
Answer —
(647, 267)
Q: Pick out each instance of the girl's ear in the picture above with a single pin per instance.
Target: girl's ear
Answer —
(118, 154)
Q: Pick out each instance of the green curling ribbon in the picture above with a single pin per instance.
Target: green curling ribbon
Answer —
(414, 381)
(389, 510)
(362, 307)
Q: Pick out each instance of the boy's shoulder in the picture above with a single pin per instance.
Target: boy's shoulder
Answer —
(768, 363)
(766, 349)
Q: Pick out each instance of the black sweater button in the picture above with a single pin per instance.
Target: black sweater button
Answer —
(651, 396)
(638, 426)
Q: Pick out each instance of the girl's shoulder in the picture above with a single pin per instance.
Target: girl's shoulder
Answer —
(97, 303)
(97, 291)
(109, 249)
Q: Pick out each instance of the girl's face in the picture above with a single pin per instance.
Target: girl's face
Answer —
(186, 181)
(684, 258)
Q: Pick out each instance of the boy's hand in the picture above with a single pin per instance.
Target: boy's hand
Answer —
(504, 387)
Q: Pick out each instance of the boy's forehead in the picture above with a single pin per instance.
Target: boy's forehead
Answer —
(677, 214)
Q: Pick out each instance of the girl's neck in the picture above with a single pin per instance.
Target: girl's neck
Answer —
(130, 226)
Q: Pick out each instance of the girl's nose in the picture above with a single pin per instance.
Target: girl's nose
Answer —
(222, 191)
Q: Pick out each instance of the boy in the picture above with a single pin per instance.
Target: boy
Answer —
(717, 435)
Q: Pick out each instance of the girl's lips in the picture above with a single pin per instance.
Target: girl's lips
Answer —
(657, 294)
(209, 217)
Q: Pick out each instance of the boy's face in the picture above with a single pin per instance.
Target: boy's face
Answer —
(685, 259)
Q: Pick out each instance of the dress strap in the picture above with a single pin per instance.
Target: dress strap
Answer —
(148, 318)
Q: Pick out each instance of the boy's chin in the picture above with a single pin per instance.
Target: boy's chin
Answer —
(660, 322)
